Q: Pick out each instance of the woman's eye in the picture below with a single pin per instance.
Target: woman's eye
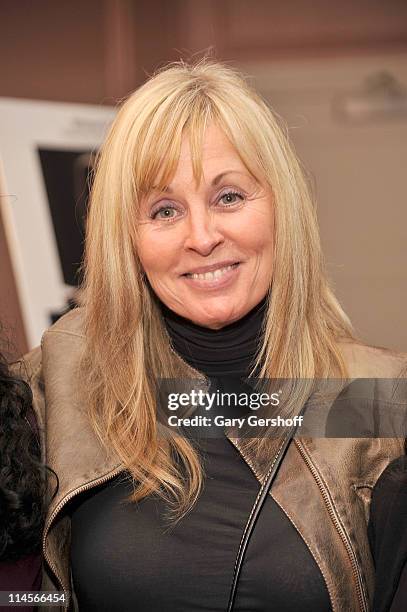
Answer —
(166, 212)
(230, 198)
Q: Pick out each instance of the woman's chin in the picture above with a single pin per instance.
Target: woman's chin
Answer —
(216, 318)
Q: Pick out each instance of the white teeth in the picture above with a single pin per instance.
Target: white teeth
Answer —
(208, 276)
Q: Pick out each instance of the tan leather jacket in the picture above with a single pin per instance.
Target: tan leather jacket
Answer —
(323, 486)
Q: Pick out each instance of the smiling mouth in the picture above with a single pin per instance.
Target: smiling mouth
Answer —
(212, 274)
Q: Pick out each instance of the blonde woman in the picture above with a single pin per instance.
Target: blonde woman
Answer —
(203, 261)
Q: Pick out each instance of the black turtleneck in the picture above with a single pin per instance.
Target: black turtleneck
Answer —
(124, 556)
(229, 351)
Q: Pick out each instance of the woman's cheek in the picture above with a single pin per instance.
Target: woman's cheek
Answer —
(157, 252)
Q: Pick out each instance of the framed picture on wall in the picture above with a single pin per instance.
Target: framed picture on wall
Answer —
(47, 151)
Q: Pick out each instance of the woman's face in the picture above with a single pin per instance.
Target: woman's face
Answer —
(207, 249)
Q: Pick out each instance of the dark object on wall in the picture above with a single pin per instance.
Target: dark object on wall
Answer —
(67, 176)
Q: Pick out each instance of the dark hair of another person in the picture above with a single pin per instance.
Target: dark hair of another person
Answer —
(22, 482)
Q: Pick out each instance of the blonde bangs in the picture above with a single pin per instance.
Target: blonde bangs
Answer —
(154, 141)
(157, 144)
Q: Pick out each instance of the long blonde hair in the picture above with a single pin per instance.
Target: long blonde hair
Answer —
(126, 345)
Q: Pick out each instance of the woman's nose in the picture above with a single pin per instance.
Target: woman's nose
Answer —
(203, 233)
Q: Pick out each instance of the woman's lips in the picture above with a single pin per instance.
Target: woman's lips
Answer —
(214, 279)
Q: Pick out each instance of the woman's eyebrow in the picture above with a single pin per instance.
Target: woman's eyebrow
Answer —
(215, 180)
(220, 176)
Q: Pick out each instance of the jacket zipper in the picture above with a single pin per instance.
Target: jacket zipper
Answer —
(339, 528)
(57, 509)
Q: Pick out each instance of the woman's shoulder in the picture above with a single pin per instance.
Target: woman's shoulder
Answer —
(365, 361)
(71, 324)
(53, 370)
(56, 347)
